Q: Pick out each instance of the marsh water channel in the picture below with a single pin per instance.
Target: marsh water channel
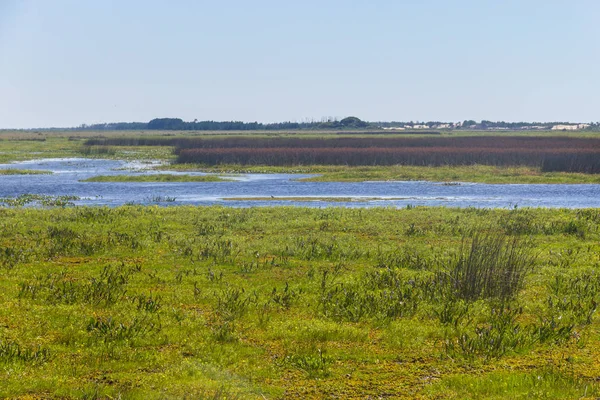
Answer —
(248, 190)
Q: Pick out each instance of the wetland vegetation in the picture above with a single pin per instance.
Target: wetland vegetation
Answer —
(549, 153)
(468, 173)
(14, 171)
(481, 162)
(152, 302)
(149, 302)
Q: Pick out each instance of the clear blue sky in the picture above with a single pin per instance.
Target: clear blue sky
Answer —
(68, 62)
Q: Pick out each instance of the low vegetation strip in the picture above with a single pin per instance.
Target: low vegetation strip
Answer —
(13, 171)
(459, 173)
(216, 302)
(451, 174)
(39, 200)
(156, 178)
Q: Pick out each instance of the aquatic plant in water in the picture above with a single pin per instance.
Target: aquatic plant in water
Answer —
(38, 199)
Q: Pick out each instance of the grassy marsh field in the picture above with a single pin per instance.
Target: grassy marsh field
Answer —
(154, 303)
(19, 146)
(148, 302)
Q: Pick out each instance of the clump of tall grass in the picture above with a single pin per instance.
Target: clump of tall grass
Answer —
(231, 305)
(97, 150)
(488, 266)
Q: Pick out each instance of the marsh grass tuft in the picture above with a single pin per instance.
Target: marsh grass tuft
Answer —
(231, 305)
(108, 288)
(13, 352)
(489, 266)
(109, 330)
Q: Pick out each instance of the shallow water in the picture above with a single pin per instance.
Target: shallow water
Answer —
(68, 172)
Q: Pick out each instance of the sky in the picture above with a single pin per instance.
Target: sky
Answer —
(69, 62)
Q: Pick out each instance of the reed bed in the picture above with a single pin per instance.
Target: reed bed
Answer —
(571, 160)
(547, 142)
(548, 153)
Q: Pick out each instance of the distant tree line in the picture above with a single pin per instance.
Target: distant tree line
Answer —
(177, 124)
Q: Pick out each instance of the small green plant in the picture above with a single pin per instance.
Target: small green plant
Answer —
(11, 351)
(151, 304)
(316, 364)
(109, 330)
(161, 199)
(452, 311)
(500, 335)
(285, 297)
(232, 304)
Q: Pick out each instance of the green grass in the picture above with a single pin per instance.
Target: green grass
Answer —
(14, 171)
(214, 302)
(156, 178)
(475, 173)
(13, 148)
(538, 384)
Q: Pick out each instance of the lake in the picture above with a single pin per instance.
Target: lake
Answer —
(67, 174)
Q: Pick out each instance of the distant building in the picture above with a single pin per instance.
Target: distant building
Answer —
(575, 127)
